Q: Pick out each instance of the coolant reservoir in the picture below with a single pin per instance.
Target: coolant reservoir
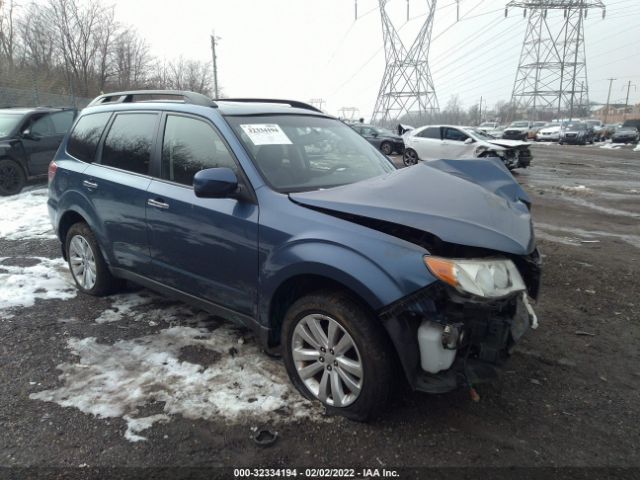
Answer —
(433, 356)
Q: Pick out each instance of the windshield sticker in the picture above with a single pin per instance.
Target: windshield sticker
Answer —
(266, 134)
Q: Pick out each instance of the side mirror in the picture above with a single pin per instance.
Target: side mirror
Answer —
(374, 134)
(27, 135)
(215, 183)
(468, 141)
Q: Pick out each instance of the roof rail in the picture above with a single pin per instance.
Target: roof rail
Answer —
(129, 97)
(291, 103)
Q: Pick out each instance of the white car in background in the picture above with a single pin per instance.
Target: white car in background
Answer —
(550, 133)
(433, 142)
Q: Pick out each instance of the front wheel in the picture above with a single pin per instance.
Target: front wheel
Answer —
(12, 177)
(87, 265)
(410, 157)
(336, 352)
(386, 148)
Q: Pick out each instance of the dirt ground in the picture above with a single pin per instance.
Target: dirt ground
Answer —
(568, 398)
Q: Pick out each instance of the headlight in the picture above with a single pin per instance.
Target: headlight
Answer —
(484, 278)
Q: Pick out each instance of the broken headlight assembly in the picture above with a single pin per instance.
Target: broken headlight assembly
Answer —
(486, 278)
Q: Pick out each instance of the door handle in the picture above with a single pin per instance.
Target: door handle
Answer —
(90, 184)
(157, 203)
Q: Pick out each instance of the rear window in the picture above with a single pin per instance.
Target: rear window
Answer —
(86, 135)
(128, 143)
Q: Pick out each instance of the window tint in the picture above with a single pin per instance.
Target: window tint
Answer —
(191, 145)
(455, 135)
(128, 143)
(431, 132)
(42, 126)
(86, 135)
(62, 121)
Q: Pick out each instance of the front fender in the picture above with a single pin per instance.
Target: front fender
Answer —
(374, 284)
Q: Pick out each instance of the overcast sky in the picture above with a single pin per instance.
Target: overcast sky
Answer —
(303, 49)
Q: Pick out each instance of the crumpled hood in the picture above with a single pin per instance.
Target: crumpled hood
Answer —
(467, 202)
(508, 143)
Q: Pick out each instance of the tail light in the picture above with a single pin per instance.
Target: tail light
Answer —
(53, 167)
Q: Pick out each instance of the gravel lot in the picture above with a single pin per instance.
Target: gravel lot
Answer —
(138, 381)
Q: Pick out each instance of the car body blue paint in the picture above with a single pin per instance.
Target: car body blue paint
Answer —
(237, 253)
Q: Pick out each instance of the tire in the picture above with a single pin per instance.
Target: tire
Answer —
(386, 148)
(12, 177)
(410, 157)
(84, 255)
(370, 354)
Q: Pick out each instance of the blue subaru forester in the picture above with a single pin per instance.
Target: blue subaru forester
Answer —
(283, 219)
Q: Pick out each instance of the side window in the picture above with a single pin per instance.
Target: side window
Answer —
(431, 132)
(455, 135)
(191, 145)
(128, 143)
(62, 121)
(86, 135)
(42, 127)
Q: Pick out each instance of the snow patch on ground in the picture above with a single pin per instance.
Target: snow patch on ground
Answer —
(611, 146)
(637, 149)
(20, 286)
(25, 216)
(544, 231)
(575, 188)
(230, 377)
(124, 305)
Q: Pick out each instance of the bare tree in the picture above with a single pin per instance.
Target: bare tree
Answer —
(131, 61)
(7, 31)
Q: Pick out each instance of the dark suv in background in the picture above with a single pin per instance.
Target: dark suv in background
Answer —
(276, 216)
(29, 138)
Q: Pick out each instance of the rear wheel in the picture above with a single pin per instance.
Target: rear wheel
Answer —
(386, 148)
(337, 353)
(410, 157)
(87, 265)
(12, 177)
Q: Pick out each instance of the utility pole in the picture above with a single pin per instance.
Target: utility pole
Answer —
(356, 8)
(606, 109)
(216, 90)
(626, 102)
(480, 111)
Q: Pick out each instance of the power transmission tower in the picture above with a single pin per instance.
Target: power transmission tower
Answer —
(317, 102)
(407, 86)
(552, 73)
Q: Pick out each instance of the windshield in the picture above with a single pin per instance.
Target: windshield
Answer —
(520, 124)
(577, 126)
(594, 123)
(8, 121)
(479, 134)
(300, 152)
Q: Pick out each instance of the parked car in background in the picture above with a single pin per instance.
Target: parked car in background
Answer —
(624, 134)
(486, 126)
(434, 142)
(29, 138)
(381, 138)
(576, 133)
(597, 127)
(608, 130)
(518, 130)
(549, 133)
(535, 128)
(634, 123)
(276, 216)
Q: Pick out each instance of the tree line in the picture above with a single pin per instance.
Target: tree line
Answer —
(77, 47)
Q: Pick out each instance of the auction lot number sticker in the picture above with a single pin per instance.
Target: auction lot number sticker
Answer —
(315, 473)
(266, 134)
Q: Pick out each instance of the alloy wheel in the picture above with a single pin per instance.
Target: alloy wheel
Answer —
(327, 360)
(410, 157)
(9, 177)
(82, 262)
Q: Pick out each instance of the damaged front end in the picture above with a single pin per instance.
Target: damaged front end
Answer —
(448, 336)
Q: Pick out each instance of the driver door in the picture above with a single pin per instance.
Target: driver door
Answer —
(454, 146)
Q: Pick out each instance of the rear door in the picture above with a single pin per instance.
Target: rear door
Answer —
(117, 188)
(206, 247)
(427, 143)
(453, 144)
